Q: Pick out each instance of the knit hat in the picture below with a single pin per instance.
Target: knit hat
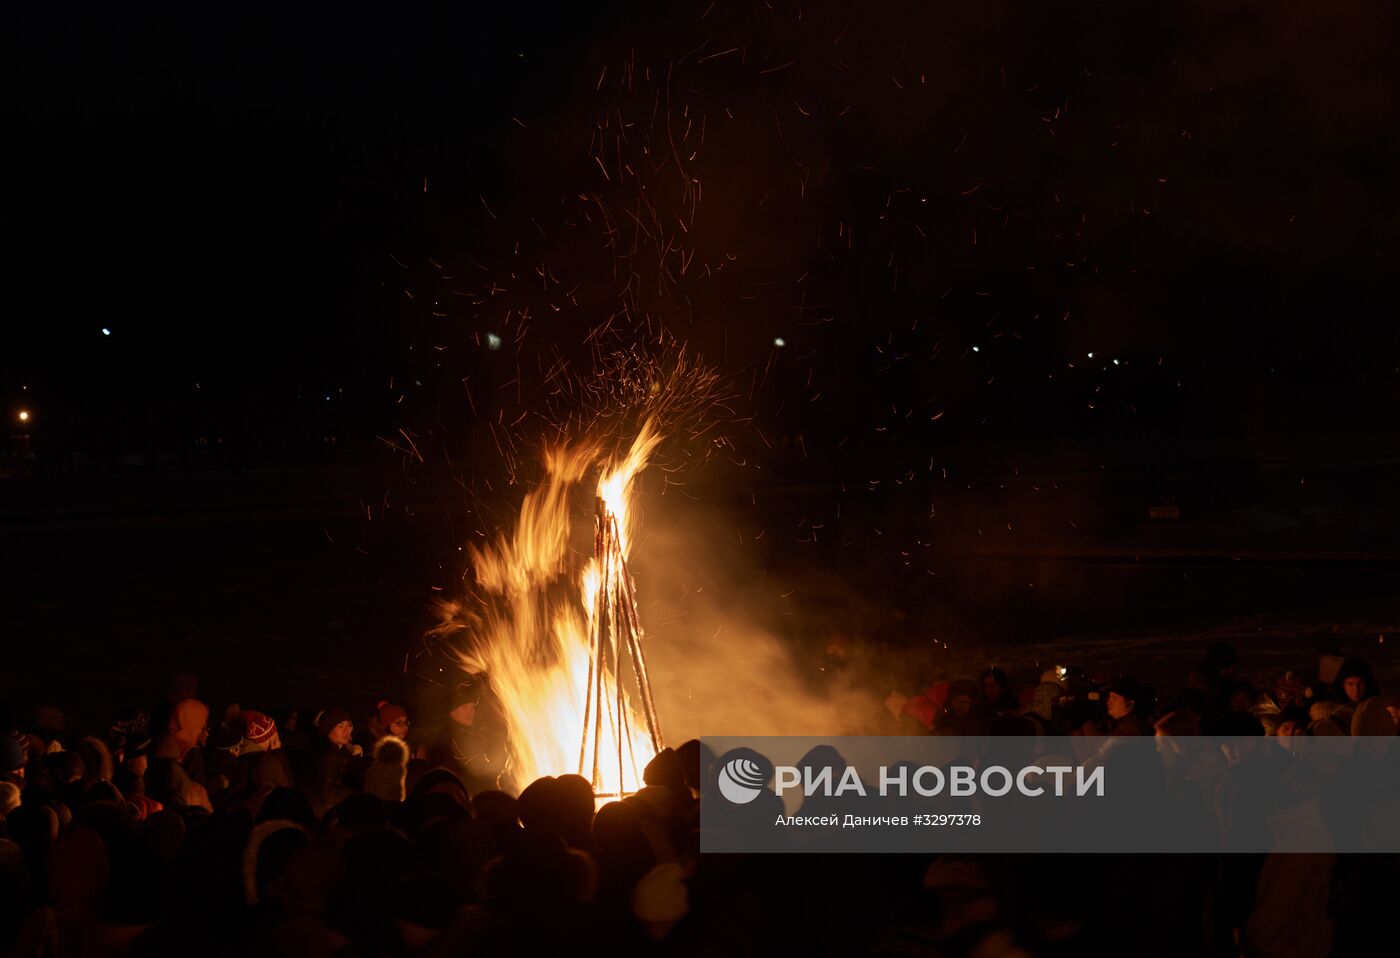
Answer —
(390, 713)
(329, 719)
(258, 727)
(1372, 718)
(391, 750)
(386, 778)
(1129, 689)
(1326, 726)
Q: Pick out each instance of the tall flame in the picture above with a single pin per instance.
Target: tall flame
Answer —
(532, 625)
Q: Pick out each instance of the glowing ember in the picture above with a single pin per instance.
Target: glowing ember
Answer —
(560, 645)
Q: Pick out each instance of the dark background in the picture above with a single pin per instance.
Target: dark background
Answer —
(1036, 270)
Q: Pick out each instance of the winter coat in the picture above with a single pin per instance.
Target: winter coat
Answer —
(475, 753)
(325, 785)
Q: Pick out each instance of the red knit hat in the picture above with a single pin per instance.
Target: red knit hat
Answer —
(258, 728)
(390, 713)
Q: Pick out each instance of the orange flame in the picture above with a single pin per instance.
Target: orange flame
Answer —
(531, 628)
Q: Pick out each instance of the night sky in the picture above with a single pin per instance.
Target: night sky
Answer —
(942, 211)
(979, 280)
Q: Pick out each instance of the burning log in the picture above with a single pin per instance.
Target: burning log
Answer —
(616, 642)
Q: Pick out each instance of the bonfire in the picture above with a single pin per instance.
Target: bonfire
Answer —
(559, 640)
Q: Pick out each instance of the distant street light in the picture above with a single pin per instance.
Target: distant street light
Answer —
(24, 415)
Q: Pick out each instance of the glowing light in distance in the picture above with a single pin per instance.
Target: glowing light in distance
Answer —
(780, 342)
(493, 341)
(24, 415)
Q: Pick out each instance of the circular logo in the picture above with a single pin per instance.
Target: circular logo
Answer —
(740, 780)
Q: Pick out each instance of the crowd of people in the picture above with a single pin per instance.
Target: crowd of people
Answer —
(173, 829)
(1343, 699)
(176, 830)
